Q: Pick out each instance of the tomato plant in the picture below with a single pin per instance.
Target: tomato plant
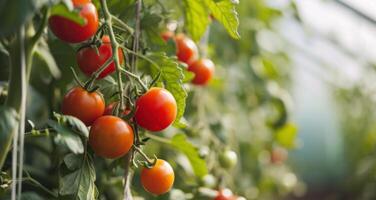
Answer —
(70, 31)
(89, 60)
(159, 178)
(156, 109)
(86, 106)
(110, 137)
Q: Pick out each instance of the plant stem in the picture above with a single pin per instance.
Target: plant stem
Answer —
(115, 46)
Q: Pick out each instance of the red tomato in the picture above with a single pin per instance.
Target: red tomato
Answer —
(225, 194)
(89, 61)
(69, 31)
(159, 179)
(110, 108)
(84, 105)
(156, 109)
(203, 70)
(110, 137)
(186, 49)
(167, 35)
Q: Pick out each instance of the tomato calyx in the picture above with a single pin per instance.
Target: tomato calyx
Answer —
(148, 162)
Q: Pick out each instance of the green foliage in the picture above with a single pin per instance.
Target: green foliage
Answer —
(172, 77)
(64, 10)
(14, 13)
(69, 129)
(196, 18)
(224, 11)
(180, 142)
(79, 180)
(286, 135)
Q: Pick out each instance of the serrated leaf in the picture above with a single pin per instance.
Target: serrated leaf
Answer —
(66, 136)
(80, 183)
(172, 77)
(63, 11)
(73, 124)
(286, 135)
(196, 18)
(224, 11)
(180, 142)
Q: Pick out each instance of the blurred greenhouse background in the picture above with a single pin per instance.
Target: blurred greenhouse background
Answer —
(332, 52)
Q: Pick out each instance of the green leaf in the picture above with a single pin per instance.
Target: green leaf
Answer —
(224, 11)
(180, 142)
(172, 77)
(64, 11)
(81, 182)
(67, 137)
(8, 125)
(69, 130)
(43, 53)
(196, 18)
(286, 136)
(74, 124)
(72, 161)
(14, 13)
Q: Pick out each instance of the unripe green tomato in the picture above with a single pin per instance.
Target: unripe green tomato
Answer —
(209, 181)
(228, 159)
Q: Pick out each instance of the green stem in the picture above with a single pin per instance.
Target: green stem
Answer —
(16, 91)
(157, 138)
(115, 46)
(137, 78)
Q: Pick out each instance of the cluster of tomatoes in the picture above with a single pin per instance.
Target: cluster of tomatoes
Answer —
(111, 136)
(187, 52)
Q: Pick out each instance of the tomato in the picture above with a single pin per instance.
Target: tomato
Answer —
(225, 194)
(110, 108)
(278, 155)
(167, 35)
(203, 70)
(186, 49)
(159, 179)
(89, 61)
(110, 137)
(156, 109)
(84, 105)
(72, 32)
(228, 159)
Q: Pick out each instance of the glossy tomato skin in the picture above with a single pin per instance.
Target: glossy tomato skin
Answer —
(225, 194)
(89, 61)
(84, 105)
(159, 179)
(110, 137)
(186, 49)
(203, 70)
(156, 109)
(69, 31)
